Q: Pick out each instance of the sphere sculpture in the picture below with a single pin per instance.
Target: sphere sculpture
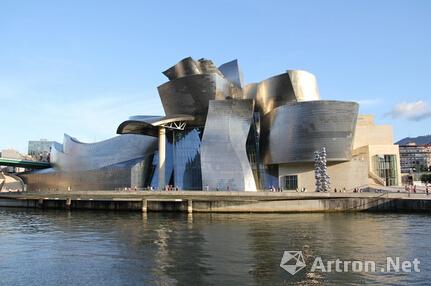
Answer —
(323, 183)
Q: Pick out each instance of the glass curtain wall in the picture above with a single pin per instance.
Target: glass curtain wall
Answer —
(385, 166)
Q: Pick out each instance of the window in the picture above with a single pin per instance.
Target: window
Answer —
(291, 182)
(385, 166)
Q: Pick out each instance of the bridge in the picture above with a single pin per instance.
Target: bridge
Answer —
(24, 163)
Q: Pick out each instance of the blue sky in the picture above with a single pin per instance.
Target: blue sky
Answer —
(81, 67)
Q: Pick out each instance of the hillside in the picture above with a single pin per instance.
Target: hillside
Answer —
(418, 140)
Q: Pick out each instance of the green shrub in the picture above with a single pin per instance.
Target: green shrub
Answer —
(426, 178)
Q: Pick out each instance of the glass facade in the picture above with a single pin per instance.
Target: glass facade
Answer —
(183, 162)
(252, 149)
(385, 166)
(290, 182)
(270, 177)
(187, 159)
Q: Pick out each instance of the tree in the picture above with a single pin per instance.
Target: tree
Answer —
(426, 178)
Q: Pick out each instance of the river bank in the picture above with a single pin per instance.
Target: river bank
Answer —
(222, 202)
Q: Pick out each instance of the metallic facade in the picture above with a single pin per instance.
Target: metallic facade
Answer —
(292, 132)
(75, 155)
(148, 125)
(292, 86)
(232, 72)
(217, 133)
(104, 165)
(190, 89)
(224, 161)
(119, 175)
(188, 67)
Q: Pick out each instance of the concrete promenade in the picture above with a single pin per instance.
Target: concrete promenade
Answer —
(201, 201)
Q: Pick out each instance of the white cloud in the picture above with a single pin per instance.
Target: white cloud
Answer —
(414, 111)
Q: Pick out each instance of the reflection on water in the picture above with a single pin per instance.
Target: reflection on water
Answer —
(40, 247)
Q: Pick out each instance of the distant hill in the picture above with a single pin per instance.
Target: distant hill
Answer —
(418, 140)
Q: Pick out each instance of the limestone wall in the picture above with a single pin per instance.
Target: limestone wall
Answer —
(347, 175)
(368, 133)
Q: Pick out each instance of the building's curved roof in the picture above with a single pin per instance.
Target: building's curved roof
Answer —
(148, 125)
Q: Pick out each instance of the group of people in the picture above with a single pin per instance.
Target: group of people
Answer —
(303, 190)
(274, 189)
(170, 188)
(412, 189)
(167, 188)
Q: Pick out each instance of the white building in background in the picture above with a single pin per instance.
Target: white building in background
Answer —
(415, 158)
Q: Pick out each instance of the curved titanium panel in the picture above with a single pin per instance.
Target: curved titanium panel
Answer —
(250, 91)
(185, 67)
(292, 86)
(189, 66)
(191, 94)
(138, 127)
(304, 85)
(77, 156)
(232, 72)
(291, 133)
(223, 150)
(207, 66)
(148, 125)
(119, 175)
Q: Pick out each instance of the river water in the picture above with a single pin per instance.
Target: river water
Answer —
(49, 247)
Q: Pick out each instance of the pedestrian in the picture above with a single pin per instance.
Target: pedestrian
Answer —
(335, 190)
(426, 190)
(414, 189)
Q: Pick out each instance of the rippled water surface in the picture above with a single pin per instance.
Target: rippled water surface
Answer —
(40, 247)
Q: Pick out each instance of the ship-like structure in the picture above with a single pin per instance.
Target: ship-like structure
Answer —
(218, 133)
